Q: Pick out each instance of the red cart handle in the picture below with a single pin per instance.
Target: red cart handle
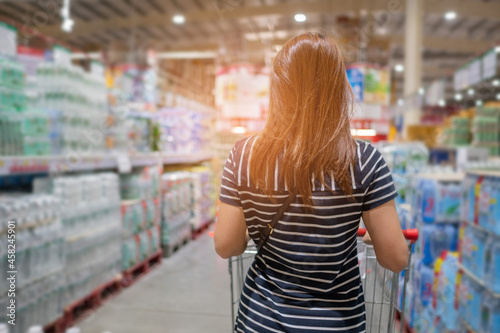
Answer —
(410, 234)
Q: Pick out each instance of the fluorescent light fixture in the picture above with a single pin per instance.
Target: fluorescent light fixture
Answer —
(479, 102)
(401, 102)
(67, 22)
(67, 25)
(421, 91)
(495, 83)
(239, 130)
(458, 97)
(442, 103)
(363, 132)
(470, 92)
(178, 19)
(187, 55)
(450, 16)
(399, 68)
(300, 17)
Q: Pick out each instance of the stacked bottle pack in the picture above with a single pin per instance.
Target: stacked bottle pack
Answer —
(34, 227)
(140, 207)
(405, 161)
(435, 211)
(92, 227)
(458, 134)
(479, 297)
(486, 129)
(177, 201)
(23, 129)
(204, 208)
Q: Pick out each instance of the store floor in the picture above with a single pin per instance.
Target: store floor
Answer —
(188, 292)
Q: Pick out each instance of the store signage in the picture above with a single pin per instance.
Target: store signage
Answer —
(461, 78)
(370, 84)
(474, 72)
(8, 39)
(356, 79)
(380, 126)
(376, 86)
(242, 92)
(489, 62)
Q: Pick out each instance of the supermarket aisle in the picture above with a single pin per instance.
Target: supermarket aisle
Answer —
(189, 292)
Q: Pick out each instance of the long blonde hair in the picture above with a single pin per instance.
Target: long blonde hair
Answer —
(308, 125)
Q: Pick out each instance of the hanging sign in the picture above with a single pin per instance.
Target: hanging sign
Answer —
(8, 39)
(489, 61)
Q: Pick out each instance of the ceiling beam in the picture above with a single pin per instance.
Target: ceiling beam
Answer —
(229, 13)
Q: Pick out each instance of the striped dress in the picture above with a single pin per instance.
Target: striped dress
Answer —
(306, 278)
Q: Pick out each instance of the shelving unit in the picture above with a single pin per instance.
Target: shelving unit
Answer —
(19, 165)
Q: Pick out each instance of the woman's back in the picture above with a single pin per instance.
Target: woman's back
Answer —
(306, 278)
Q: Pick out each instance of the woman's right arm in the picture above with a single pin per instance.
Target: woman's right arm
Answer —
(382, 224)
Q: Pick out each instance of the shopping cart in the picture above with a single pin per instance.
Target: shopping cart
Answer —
(380, 285)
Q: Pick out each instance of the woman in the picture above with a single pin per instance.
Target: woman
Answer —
(306, 278)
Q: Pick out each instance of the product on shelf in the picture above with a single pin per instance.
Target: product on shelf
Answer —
(39, 261)
(203, 197)
(92, 226)
(140, 210)
(177, 204)
(445, 280)
(486, 129)
(436, 198)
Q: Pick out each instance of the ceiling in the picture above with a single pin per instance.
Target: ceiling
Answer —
(246, 30)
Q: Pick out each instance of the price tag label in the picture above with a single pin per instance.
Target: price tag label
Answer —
(124, 164)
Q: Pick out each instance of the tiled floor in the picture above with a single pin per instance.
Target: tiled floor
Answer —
(189, 292)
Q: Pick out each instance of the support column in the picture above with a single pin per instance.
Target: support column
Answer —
(413, 57)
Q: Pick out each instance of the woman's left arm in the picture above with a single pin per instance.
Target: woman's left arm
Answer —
(231, 235)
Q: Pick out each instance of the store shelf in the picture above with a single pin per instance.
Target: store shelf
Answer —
(19, 165)
(136, 272)
(476, 279)
(79, 309)
(466, 325)
(443, 177)
(491, 173)
(186, 158)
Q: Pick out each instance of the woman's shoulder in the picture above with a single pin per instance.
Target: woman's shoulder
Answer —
(241, 145)
(366, 150)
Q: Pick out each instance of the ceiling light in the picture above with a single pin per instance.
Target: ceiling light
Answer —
(178, 19)
(363, 132)
(450, 16)
(401, 102)
(442, 103)
(479, 102)
(498, 97)
(458, 97)
(300, 17)
(470, 92)
(421, 91)
(399, 68)
(67, 22)
(495, 83)
(497, 49)
(238, 130)
(67, 25)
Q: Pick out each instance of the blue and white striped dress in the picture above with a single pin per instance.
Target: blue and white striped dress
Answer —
(307, 278)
